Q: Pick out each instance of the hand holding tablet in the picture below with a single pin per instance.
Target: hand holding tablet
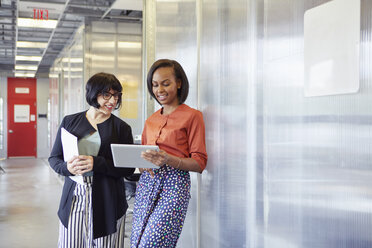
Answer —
(129, 156)
(155, 156)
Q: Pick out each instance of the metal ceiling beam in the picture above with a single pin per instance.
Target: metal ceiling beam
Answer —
(7, 30)
(9, 7)
(16, 30)
(75, 5)
(32, 39)
(34, 31)
(3, 47)
(74, 12)
(70, 21)
(54, 30)
(28, 36)
(108, 10)
(6, 16)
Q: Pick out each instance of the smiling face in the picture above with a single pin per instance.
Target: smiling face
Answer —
(165, 87)
(107, 106)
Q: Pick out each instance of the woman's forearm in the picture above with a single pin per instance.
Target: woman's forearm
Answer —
(187, 164)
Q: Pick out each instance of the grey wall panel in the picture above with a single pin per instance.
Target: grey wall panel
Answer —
(176, 39)
(4, 117)
(284, 170)
(224, 100)
(43, 149)
(316, 150)
(116, 47)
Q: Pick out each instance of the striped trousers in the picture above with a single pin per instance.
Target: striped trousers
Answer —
(79, 233)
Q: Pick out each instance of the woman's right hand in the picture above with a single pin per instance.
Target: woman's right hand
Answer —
(148, 170)
(72, 165)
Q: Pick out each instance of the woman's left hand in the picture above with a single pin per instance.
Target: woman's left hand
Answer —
(156, 157)
(85, 164)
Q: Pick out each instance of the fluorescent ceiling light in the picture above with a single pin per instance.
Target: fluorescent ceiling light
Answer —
(103, 44)
(34, 23)
(22, 74)
(127, 4)
(175, 1)
(72, 60)
(130, 59)
(55, 69)
(52, 75)
(28, 58)
(72, 69)
(95, 57)
(26, 67)
(30, 44)
(129, 44)
(121, 44)
(52, 8)
(101, 65)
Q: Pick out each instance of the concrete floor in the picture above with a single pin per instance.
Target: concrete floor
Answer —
(29, 196)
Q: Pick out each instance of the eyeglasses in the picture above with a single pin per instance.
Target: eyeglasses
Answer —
(108, 95)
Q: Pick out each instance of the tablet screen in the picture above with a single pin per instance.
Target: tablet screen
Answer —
(129, 156)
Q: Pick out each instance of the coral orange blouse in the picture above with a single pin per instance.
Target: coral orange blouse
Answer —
(181, 133)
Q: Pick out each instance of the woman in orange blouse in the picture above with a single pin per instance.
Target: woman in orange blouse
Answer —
(163, 194)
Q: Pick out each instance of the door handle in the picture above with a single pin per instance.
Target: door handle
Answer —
(10, 131)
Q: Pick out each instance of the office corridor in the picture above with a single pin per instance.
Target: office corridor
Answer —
(29, 198)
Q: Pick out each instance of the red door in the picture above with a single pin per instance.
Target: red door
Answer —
(21, 117)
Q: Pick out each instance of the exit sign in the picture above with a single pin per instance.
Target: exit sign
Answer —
(41, 14)
(39, 10)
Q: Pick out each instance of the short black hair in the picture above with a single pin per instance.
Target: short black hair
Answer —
(100, 83)
(179, 73)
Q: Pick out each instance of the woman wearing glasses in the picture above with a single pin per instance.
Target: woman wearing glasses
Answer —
(93, 202)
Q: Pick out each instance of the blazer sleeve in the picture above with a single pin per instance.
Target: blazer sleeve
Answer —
(105, 164)
(55, 159)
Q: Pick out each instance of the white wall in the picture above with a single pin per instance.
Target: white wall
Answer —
(3, 94)
(43, 148)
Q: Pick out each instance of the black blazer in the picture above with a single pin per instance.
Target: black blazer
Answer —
(108, 192)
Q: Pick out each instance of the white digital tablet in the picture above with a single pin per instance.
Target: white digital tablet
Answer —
(129, 156)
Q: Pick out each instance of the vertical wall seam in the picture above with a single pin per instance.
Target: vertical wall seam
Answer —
(199, 178)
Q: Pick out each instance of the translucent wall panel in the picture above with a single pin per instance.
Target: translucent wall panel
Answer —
(65, 84)
(116, 48)
(3, 96)
(1, 123)
(284, 170)
(69, 69)
(76, 90)
(110, 47)
(100, 48)
(317, 150)
(129, 72)
(54, 111)
(225, 99)
(175, 38)
(66, 89)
